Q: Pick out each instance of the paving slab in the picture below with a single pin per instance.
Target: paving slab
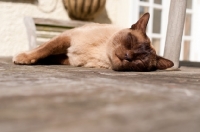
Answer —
(56, 98)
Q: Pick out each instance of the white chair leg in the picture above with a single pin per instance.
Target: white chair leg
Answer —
(175, 31)
(31, 32)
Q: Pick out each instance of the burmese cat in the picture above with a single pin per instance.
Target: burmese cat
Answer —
(100, 46)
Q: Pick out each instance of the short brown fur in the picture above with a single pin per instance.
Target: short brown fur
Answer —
(100, 46)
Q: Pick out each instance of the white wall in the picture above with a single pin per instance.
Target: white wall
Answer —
(12, 31)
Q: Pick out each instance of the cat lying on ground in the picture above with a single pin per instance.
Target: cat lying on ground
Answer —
(100, 46)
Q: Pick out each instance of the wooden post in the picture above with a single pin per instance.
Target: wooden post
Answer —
(175, 31)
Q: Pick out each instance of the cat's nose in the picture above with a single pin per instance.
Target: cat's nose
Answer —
(128, 57)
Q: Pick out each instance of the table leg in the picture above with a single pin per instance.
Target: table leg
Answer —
(175, 31)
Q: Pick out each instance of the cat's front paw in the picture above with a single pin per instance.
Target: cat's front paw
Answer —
(23, 59)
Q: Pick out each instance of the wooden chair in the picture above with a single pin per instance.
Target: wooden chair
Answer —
(40, 30)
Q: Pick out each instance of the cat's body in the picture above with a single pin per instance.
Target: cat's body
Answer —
(87, 53)
(100, 46)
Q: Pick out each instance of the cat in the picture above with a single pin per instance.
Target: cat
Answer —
(100, 46)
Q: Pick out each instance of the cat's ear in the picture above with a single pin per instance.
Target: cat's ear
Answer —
(163, 63)
(141, 24)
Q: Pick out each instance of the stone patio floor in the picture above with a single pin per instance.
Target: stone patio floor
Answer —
(73, 99)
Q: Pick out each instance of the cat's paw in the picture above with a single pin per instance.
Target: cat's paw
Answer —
(23, 59)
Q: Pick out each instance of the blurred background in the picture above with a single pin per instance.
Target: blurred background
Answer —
(13, 32)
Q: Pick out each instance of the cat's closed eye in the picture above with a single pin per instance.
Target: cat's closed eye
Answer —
(130, 41)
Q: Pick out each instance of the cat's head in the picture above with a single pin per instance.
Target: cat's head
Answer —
(132, 50)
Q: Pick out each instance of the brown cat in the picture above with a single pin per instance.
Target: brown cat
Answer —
(100, 46)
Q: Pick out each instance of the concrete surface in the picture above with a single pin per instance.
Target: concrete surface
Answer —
(73, 99)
